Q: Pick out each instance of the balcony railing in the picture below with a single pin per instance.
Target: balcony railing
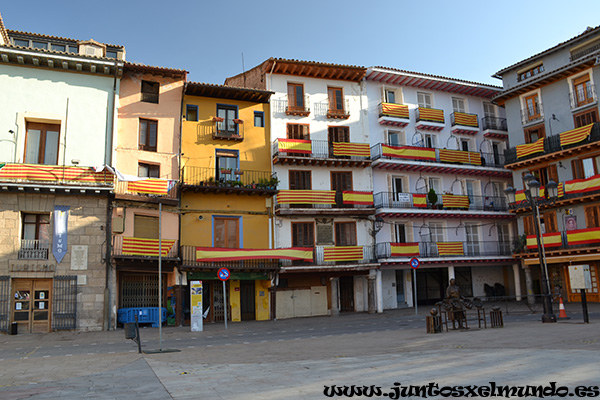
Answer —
(188, 256)
(323, 199)
(583, 53)
(33, 250)
(455, 249)
(583, 96)
(323, 109)
(552, 145)
(144, 247)
(464, 119)
(55, 174)
(494, 123)
(229, 178)
(430, 115)
(122, 188)
(323, 253)
(532, 114)
(444, 202)
(416, 153)
(393, 110)
(228, 130)
(563, 240)
(322, 149)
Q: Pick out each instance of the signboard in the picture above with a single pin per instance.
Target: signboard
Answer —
(223, 274)
(414, 262)
(580, 277)
(196, 303)
(402, 197)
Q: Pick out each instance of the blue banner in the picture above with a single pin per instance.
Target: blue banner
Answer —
(59, 241)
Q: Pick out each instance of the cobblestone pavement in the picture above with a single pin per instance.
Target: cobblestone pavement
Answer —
(297, 359)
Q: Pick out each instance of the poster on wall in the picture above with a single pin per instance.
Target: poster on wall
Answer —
(196, 305)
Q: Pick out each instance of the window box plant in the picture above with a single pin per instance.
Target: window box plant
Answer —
(225, 170)
(218, 119)
(238, 121)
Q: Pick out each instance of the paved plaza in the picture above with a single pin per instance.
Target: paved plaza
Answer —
(297, 359)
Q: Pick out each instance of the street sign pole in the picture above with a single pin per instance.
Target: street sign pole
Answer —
(414, 263)
(223, 274)
(225, 303)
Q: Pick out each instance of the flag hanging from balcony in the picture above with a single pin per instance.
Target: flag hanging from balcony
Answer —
(583, 236)
(343, 253)
(455, 201)
(575, 135)
(306, 197)
(351, 149)
(524, 150)
(591, 184)
(520, 196)
(294, 146)
(549, 239)
(450, 248)
(146, 247)
(404, 249)
(561, 189)
(207, 254)
(151, 186)
(431, 114)
(459, 156)
(394, 110)
(37, 172)
(362, 198)
(465, 119)
(408, 152)
(419, 200)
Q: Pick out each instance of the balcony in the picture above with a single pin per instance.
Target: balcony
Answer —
(334, 258)
(33, 250)
(144, 248)
(228, 130)
(158, 190)
(321, 153)
(553, 146)
(190, 261)
(532, 114)
(494, 127)
(425, 159)
(582, 97)
(391, 114)
(54, 178)
(229, 181)
(300, 109)
(430, 119)
(324, 202)
(325, 109)
(579, 240)
(463, 123)
(449, 250)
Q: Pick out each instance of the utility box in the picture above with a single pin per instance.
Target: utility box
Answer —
(580, 277)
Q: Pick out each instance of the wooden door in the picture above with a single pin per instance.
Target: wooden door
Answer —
(247, 303)
(346, 293)
(32, 305)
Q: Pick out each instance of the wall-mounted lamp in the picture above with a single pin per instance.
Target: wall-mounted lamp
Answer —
(379, 224)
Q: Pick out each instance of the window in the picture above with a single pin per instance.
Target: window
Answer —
(532, 108)
(400, 232)
(145, 226)
(226, 232)
(21, 42)
(395, 138)
(459, 105)
(472, 232)
(584, 168)
(296, 97)
(150, 91)
(300, 180)
(40, 45)
(58, 47)
(41, 143)
(503, 238)
(298, 131)
(336, 100)
(424, 100)
(464, 144)
(303, 234)
(582, 91)
(592, 216)
(389, 96)
(259, 119)
(228, 113)
(549, 221)
(545, 174)
(586, 118)
(337, 134)
(36, 236)
(345, 233)
(341, 181)
(436, 231)
(430, 140)
(530, 72)
(489, 110)
(148, 170)
(191, 112)
(111, 54)
(534, 133)
(227, 163)
(148, 133)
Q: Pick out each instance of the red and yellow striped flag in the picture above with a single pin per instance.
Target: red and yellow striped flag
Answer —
(343, 253)
(459, 156)
(583, 236)
(404, 249)
(351, 149)
(524, 150)
(465, 119)
(306, 197)
(520, 196)
(575, 135)
(35, 172)
(590, 184)
(150, 186)
(408, 152)
(419, 200)
(146, 247)
(207, 254)
(351, 197)
(431, 114)
(294, 146)
(450, 248)
(549, 239)
(455, 201)
(561, 189)
(394, 110)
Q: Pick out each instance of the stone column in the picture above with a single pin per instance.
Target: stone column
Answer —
(517, 275)
(372, 297)
(451, 274)
(529, 285)
(379, 287)
(335, 307)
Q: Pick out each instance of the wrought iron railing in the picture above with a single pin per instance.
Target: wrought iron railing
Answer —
(121, 187)
(64, 303)
(454, 121)
(228, 130)
(283, 106)
(323, 109)
(494, 123)
(531, 114)
(407, 200)
(592, 236)
(189, 259)
(339, 203)
(229, 178)
(420, 111)
(320, 149)
(431, 249)
(368, 256)
(583, 53)
(150, 249)
(33, 249)
(583, 96)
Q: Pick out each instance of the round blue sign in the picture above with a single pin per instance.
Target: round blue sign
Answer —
(414, 262)
(223, 274)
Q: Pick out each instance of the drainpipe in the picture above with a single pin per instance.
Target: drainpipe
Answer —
(179, 299)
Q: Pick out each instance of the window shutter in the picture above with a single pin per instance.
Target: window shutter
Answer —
(528, 227)
(553, 173)
(592, 216)
(550, 221)
(577, 169)
(145, 227)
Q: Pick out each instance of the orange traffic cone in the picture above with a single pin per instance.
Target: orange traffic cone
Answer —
(562, 314)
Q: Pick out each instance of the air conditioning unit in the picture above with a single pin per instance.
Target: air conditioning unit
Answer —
(118, 224)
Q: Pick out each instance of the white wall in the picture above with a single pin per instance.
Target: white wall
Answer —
(489, 275)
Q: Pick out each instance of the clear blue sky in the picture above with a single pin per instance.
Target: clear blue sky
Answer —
(461, 39)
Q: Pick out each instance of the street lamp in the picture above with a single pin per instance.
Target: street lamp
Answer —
(532, 195)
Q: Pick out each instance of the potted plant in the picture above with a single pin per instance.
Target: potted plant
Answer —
(273, 182)
(211, 181)
(238, 121)
(238, 172)
(432, 197)
(218, 119)
(225, 170)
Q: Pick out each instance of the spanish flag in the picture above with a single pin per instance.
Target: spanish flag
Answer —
(549, 239)
(294, 146)
(343, 253)
(351, 149)
(465, 119)
(404, 249)
(455, 201)
(306, 197)
(394, 110)
(363, 198)
(146, 247)
(35, 172)
(150, 186)
(524, 150)
(583, 236)
(431, 114)
(575, 135)
(591, 184)
(520, 196)
(450, 248)
(459, 156)
(419, 200)
(208, 254)
(408, 152)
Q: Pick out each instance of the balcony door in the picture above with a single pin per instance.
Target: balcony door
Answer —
(336, 100)
(295, 97)
(35, 237)
(341, 181)
(582, 88)
(532, 107)
(472, 236)
(227, 163)
(41, 143)
(337, 134)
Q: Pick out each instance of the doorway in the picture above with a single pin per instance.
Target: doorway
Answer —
(32, 305)
(247, 296)
(346, 293)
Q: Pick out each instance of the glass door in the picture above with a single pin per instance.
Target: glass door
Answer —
(32, 305)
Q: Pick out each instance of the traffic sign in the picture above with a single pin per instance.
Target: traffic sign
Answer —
(414, 262)
(223, 274)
